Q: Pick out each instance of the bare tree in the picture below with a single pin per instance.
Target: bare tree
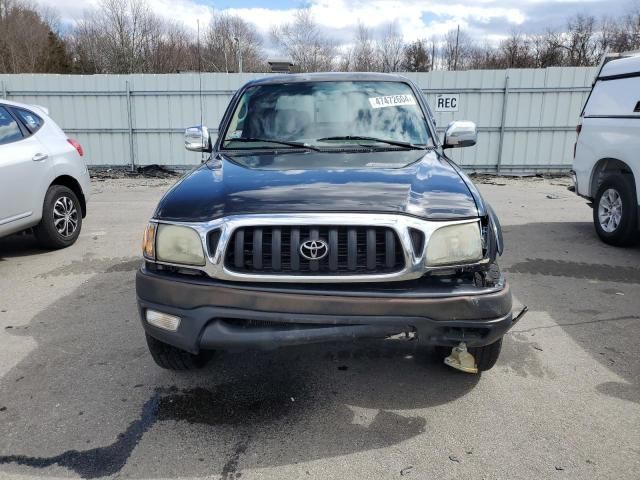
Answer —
(434, 50)
(28, 41)
(484, 57)
(364, 55)
(226, 40)
(303, 41)
(546, 49)
(621, 34)
(168, 49)
(456, 49)
(416, 57)
(125, 36)
(516, 51)
(580, 44)
(390, 48)
(345, 60)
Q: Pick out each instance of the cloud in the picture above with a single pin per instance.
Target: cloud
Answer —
(409, 15)
(484, 19)
(186, 12)
(70, 11)
(263, 18)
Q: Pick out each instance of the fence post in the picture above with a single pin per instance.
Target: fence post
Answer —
(505, 103)
(3, 88)
(132, 159)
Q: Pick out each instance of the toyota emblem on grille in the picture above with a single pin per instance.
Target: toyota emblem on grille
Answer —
(314, 249)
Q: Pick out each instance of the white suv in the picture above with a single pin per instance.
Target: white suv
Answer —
(44, 182)
(606, 167)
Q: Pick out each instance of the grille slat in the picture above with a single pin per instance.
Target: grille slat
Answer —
(334, 250)
(371, 249)
(239, 249)
(276, 243)
(390, 249)
(352, 250)
(295, 245)
(314, 265)
(257, 249)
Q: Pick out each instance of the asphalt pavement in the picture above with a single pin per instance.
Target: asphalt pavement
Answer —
(81, 397)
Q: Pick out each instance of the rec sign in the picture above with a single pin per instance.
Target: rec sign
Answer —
(447, 102)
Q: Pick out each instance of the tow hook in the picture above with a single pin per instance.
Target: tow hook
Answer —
(462, 360)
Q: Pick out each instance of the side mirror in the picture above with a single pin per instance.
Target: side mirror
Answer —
(197, 139)
(460, 134)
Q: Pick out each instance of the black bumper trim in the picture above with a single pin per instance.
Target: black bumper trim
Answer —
(478, 320)
(207, 328)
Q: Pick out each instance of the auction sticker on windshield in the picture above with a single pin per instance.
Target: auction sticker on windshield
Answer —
(392, 101)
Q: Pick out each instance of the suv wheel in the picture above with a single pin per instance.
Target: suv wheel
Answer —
(485, 357)
(172, 358)
(61, 218)
(615, 210)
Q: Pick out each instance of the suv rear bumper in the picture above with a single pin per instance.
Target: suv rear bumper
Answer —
(223, 315)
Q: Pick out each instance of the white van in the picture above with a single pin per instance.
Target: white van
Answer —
(606, 166)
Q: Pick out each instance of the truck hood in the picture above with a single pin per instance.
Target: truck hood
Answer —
(422, 184)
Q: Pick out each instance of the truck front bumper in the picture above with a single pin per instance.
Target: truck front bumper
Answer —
(225, 315)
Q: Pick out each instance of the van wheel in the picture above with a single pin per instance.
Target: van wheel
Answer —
(61, 218)
(172, 358)
(486, 357)
(615, 210)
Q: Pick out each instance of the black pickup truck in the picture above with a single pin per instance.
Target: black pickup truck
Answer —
(326, 211)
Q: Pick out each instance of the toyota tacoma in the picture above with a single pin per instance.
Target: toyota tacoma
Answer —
(327, 210)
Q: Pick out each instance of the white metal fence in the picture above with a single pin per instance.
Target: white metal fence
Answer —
(526, 117)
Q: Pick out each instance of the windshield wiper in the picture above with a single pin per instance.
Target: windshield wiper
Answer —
(374, 139)
(269, 140)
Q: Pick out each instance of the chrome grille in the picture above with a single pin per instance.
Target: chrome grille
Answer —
(352, 250)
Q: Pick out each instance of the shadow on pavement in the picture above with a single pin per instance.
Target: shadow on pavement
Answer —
(19, 245)
(589, 288)
(86, 398)
(88, 401)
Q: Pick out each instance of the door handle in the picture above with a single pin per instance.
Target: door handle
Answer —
(38, 157)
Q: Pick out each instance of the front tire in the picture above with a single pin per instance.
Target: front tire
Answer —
(615, 210)
(485, 357)
(61, 219)
(172, 358)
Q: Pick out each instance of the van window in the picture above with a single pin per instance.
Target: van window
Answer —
(614, 98)
(9, 129)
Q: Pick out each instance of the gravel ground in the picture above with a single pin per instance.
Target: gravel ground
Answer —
(81, 397)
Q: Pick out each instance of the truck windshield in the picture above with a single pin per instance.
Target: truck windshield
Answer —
(326, 115)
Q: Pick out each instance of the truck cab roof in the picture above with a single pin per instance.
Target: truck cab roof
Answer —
(328, 77)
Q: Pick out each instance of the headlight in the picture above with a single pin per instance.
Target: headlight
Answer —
(455, 244)
(176, 244)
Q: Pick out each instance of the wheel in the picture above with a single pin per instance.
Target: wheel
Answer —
(61, 218)
(485, 357)
(615, 210)
(172, 358)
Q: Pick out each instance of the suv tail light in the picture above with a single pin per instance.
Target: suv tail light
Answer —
(578, 130)
(76, 145)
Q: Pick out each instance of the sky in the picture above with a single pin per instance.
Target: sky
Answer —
(485, 20)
